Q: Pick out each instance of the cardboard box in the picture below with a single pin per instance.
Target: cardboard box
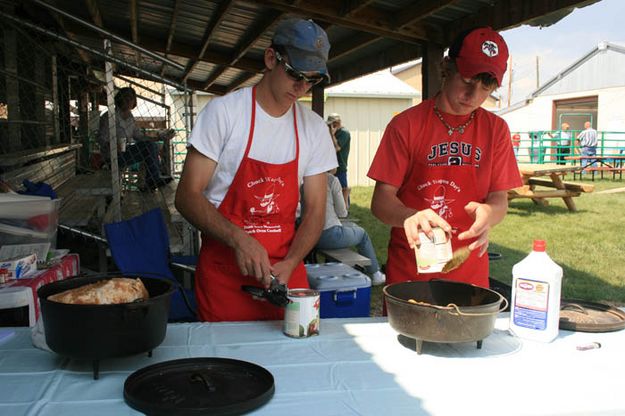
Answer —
(344, 291)
(19, 267)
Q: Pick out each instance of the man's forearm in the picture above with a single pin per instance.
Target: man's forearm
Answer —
(390, 210)
(305, 238)
(498, 201)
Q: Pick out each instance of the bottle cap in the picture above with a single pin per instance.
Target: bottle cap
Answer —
(539, 245)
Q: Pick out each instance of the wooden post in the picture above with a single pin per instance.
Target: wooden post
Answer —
(39, 97)
(55, 103)
(83, 123)
(430, 70)
(318, 99)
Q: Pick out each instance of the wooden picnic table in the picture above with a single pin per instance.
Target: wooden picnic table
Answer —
(604, 163)
(550, 176)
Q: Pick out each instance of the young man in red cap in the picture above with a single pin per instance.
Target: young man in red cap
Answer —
(249, 152)
(448, 141)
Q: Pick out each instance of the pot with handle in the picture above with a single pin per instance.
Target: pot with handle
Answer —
(442, 311)
(105, 331)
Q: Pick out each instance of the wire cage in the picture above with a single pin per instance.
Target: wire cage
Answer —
(61, 93)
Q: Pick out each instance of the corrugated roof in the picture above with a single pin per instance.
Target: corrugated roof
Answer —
(221, 43)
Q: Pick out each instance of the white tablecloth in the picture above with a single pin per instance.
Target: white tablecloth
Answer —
(355, 367)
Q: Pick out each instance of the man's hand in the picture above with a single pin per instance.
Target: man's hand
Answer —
(252, 258)
(480, 227)
(423, 221)
(283, 270)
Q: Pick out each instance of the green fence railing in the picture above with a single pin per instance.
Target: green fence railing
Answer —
(548, 146)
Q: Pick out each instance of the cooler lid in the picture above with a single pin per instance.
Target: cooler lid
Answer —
(351, 280)
(197, 386)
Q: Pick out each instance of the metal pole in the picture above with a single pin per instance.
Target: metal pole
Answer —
(111, 35)
(112, 135)
(143, 87)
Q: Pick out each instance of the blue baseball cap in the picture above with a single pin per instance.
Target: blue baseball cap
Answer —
(306, 45)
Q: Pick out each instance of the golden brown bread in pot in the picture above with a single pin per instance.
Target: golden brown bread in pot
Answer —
(105, 292)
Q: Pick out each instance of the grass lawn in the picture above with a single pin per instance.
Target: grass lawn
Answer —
(587, 244)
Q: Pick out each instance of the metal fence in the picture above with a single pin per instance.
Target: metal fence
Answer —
(58, 92)
(548, 146)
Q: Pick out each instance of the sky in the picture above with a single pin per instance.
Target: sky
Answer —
(559, 45)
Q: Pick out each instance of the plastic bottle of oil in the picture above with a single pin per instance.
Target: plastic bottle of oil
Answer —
(536, 288)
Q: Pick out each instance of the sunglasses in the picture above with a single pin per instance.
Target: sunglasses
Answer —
(296, 75)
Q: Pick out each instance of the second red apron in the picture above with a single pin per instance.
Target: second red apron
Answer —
(446, 190)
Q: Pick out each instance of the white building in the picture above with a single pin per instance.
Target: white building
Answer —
(591, 89)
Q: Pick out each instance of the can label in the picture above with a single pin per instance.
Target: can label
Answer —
(432, 255)
(301, 317)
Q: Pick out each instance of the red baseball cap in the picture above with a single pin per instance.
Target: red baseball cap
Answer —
(482, 51)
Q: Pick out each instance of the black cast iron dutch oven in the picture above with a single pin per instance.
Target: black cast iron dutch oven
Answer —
(96, 332)
(442, 311)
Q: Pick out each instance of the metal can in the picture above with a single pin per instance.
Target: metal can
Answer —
(433, 254)
(301, 317)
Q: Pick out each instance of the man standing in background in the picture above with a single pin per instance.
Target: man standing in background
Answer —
(564, 145)
(342, 138)
(587, 139)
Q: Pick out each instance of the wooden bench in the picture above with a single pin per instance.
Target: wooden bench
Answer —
(570, 186)
(83, 199)
(539, 196)
(601, 169)
(53, 165)
(346, 256)
(549, 176)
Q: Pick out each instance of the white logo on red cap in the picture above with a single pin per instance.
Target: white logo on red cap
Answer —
(490, 48)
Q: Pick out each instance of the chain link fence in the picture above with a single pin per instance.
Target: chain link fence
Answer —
(110, 105)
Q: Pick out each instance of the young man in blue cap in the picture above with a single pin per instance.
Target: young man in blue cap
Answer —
(248, 154)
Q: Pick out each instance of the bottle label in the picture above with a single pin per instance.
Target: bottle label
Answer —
(531, 303)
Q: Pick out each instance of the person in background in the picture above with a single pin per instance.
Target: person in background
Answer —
(516, 143)
(341, 235)
(132, 145)
(587, 140)
(343, 138)
(452, 163)
(564, 145)
(248, 154)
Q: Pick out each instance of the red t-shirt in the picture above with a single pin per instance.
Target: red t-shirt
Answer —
(418, 136)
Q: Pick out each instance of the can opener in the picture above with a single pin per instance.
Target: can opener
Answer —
(276, 294)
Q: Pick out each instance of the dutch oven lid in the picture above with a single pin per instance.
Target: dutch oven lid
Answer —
(580, 315)
(199, 386)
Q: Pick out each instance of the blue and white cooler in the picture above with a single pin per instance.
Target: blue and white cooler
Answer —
(344, 291)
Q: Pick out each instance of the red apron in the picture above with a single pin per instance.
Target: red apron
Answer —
(446, 190)
(262, 200)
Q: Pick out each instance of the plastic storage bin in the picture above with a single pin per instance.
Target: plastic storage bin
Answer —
(28, 219)
(344, 291)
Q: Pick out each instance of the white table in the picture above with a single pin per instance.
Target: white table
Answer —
(355, 367)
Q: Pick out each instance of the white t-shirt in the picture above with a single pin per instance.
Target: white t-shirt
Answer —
(222, 129)
(335, 203)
